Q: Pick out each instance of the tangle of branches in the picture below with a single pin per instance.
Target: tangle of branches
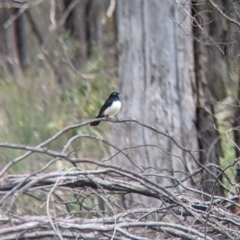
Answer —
(87, 203)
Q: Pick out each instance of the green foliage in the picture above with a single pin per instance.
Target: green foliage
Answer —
(227, 160)
(35, 106)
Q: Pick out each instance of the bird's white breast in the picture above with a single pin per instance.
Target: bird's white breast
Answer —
(113, 109)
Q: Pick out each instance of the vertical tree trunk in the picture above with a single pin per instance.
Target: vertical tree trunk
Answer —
(237, 135)
(206, 61)
(96, 12)
(3, 43)
(217, 35)
(233, 53)
(77, 24)
(21, 39)
(85, 25)
(8, 48)
(157, 82)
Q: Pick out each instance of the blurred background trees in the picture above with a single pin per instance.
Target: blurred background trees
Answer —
(170, 77)
(174, 62)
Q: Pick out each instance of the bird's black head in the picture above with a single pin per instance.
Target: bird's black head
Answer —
(114, 95)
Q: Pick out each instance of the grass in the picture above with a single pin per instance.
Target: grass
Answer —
(35, 106)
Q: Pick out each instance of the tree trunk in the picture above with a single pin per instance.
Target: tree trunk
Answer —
(157, 82)
(8, 49)
(207, 60)
(237, 136)
(3, 43)
(85, 25)
(216, 36)
(21, 39)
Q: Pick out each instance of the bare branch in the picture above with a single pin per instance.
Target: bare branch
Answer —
(216, 7)
(87, 202)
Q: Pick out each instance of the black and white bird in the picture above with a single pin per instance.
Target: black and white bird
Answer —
(110, 108)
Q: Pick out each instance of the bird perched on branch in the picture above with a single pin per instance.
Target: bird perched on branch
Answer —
(110, 108)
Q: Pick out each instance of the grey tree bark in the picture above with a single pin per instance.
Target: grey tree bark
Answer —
(9, 59)
(85, 25)
(211, 74)
(157, 82)
(22, 40)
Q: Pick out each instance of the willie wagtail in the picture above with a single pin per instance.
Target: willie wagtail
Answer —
(110, 108)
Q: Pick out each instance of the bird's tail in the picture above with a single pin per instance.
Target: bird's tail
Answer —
(95, 123)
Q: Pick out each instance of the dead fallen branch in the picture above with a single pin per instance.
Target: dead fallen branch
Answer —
(79, 203)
